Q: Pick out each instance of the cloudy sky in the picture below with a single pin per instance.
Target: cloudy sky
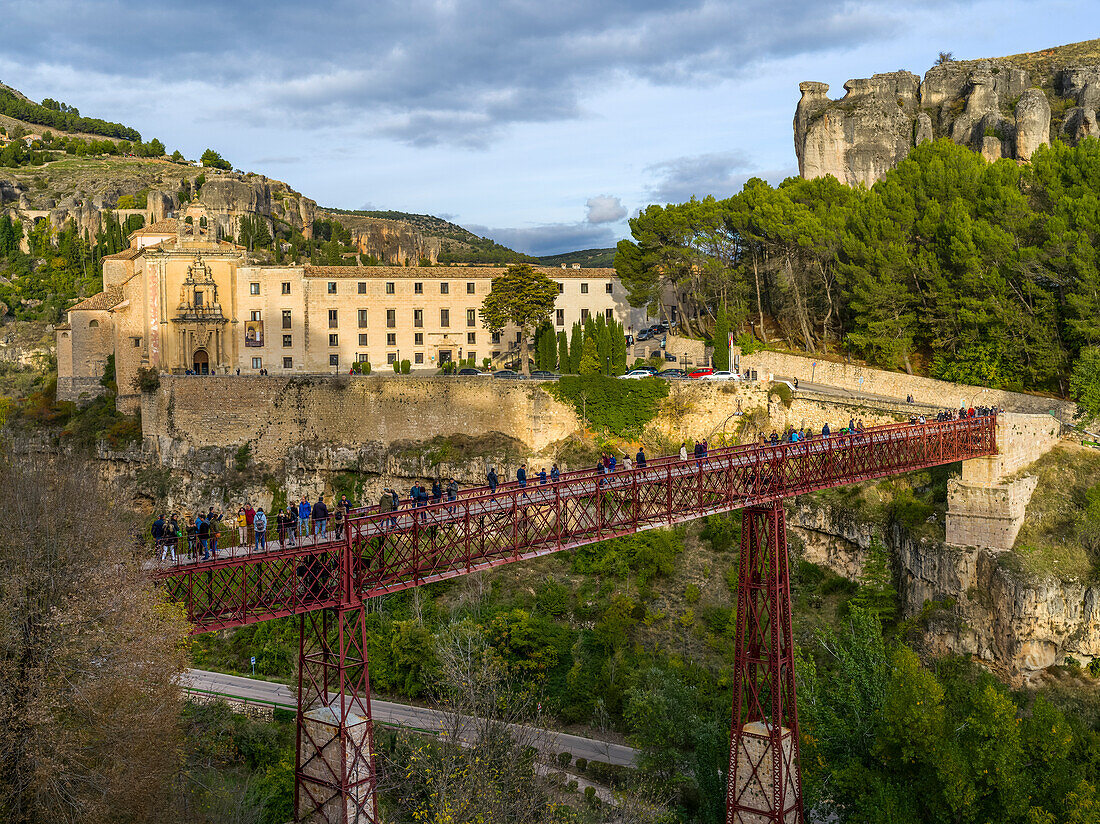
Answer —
(544, 125)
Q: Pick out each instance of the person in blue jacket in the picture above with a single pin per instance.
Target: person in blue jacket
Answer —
(303, 517)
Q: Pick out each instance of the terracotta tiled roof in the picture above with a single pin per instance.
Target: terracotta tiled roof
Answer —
(104, 300)
(64, 328)
(443, 272)
(168, 226)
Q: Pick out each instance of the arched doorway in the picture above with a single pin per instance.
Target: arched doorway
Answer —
(201, 362)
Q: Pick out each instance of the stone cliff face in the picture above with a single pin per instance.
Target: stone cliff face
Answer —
(390, 241)
(1001, 108)
(970, 601)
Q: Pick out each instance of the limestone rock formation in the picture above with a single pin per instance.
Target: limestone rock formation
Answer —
(1032, 123)
(1004, 108)
(395, 242)
(861, 136)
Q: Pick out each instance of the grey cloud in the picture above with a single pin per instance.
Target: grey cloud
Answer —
(428, 72)
(605, 209)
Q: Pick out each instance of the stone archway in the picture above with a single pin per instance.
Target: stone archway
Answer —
(201, 362)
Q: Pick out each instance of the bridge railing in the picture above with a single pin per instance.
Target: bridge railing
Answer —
(410, 547)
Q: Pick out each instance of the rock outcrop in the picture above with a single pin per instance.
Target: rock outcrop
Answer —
(1004, 108)
(969, 601)
(393, 242)
(861, 136)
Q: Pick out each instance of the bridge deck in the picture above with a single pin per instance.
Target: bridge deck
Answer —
(389, 552)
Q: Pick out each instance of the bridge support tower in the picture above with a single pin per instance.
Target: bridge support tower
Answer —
(334, 772)
(764, 783)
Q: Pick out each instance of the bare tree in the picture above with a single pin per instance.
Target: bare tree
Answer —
(945, 57)
(90, 656)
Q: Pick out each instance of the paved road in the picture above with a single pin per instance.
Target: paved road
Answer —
(401, 715)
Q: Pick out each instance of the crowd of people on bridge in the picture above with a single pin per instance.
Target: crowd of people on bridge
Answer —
(305, 523)
(199, 537)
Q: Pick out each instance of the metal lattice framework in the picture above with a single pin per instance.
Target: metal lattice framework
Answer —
(326, 580)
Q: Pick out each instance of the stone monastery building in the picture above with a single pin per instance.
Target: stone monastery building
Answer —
(180, 300)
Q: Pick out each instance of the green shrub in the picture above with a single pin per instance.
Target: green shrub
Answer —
(590, 795)
(582, 764)
(405, 367)
(781, 391)
(565, 759)
(146, 380)
(1094, 667)
(622, 407)
(691, 594)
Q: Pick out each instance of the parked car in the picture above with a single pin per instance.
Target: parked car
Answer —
(471, 371)
(670, 357)
(645, 368)
(722, 375)
(636, 375)
(701, 373)
(509, 374)
(544, 375)
(645, 334)
(672, 374)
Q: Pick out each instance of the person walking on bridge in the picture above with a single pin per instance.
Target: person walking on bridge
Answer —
(491, 478)
(521, 476)
(242, 528)
(639, 459)
(259, 525)
(320, 517)
(249, 515)
(303, 517)
(683, 451)
(158, 535)
(555, 473)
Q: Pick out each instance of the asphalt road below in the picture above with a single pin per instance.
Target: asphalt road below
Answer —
(402, 715)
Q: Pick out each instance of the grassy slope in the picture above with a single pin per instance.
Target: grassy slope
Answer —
(1047, 544)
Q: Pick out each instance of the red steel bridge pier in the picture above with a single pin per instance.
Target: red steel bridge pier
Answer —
(325, 583)
(764, 783)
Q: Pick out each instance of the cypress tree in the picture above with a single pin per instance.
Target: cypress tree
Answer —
(590, 359)
(721, 341)
(576, 345)
(563, 352)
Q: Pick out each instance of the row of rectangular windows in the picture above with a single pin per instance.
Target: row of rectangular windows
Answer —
(418, 317)
(391, 339)
(334, 360)
(418, 288)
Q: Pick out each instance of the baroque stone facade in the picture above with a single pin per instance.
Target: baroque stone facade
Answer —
(178, 300)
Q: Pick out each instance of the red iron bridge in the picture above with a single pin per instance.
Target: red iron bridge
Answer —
(326, 581)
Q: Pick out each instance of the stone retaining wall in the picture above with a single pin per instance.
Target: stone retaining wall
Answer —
(273, 415)
(863, 379)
